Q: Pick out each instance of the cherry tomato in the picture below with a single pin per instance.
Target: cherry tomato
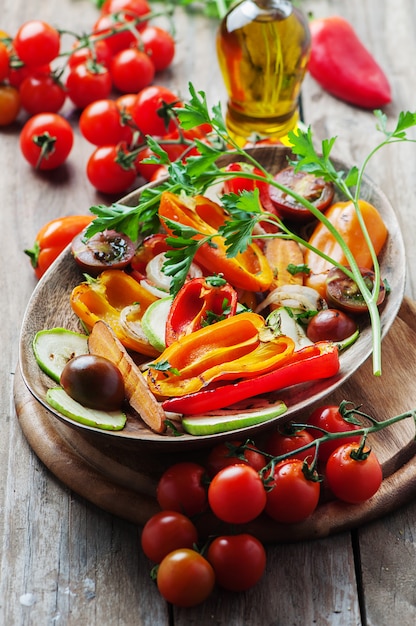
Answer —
(101, 123)
(182, 488)
(281, 443)
(159, 45)
(87, 82)
(9, 104)
(4, 62)
(104, 250)
(36, 43)
(330, 325)
(165, 532)
(18, 74)
(138, 8)
(94, 382)
(53, 238)
(236, 494)
(239, 561)
(126, 102)
(109, 169)
(342, 292)
(116, 41)
(152, 112)
(41, 93)
(352, 480)
(319, 192)
(46, 140)
(329, 418)
(131, 70)
(224, 454)
(291, 496)
(238, 184)
(185, 578)
(99, 52)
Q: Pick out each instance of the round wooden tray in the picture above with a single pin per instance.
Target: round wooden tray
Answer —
(123, 482)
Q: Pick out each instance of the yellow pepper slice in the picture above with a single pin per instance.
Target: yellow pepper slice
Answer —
(227, 350)
(105, 297)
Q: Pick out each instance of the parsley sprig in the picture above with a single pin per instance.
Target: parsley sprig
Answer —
(201, 172)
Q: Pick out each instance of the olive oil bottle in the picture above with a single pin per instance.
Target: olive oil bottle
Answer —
(263, 48)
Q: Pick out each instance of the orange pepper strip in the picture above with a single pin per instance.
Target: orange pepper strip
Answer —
(344, 217)
(248, 270)
(227, 350)
(105, 297)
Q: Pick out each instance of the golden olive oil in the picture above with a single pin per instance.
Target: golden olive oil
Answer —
(263, 48)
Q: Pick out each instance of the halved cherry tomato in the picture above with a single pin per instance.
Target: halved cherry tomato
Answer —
(53, 238)
(343, 292)
(330, 325)
(318, 191)
(105, 250)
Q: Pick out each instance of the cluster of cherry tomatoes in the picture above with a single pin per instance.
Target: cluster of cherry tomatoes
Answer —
(118, 59)
(238, 483)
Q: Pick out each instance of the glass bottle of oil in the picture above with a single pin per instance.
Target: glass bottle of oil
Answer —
(263, 48)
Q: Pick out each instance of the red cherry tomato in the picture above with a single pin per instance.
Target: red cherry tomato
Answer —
(131, 70)
(41, 93)
(329, 418)
(18, 74)
(225, 454)
(319, 192)
(159, 45)
(281, 444)
(239, 561)
(152, 111)
(352, 480)
(291, 496)
(4, 62)
(87, 82)
(36, 43)
(101, 123)
(46, 140)
(99, 52)
(116, 41)
(182, 488)
(138, 8)
(236, 494)
(330, 325)
(109, 170)
(185, 578)
(167, 531)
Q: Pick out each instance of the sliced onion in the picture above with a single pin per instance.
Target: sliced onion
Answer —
(159, 293)
(293, 297)
(131, 326)
(161, 282)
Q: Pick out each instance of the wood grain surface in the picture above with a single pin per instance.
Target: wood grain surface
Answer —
(63, 560)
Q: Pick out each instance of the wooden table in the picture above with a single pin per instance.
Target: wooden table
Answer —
(64, 561)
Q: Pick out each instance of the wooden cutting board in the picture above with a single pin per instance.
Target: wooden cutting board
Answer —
(123, 482)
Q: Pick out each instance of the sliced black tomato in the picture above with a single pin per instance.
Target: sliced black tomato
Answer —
(318, 191)
(343, 292)
(105, 250)
(330, 325)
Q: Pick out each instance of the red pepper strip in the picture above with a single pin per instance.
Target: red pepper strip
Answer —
(341, 64)
(195, 303)
(310, 363)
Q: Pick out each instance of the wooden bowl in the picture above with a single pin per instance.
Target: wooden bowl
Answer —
(49, 307)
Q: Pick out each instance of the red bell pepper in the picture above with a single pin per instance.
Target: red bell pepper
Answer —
(314, 362)
(344, 67)
(201, 301)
